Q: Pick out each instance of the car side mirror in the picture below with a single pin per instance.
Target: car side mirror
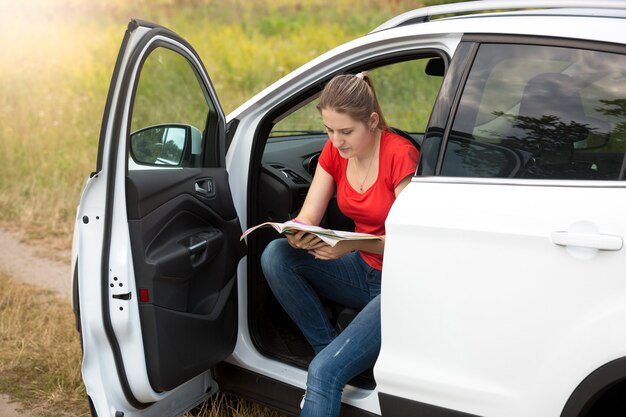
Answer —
(166, 145)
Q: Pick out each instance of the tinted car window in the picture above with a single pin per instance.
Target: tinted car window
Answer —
(530, 111)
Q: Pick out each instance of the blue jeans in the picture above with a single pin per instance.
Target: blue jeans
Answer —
(298, 280)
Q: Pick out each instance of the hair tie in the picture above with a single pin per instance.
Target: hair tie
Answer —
(360, 75)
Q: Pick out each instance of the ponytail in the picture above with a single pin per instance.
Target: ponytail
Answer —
(353, 95)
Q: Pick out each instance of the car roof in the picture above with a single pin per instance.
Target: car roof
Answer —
(470, 8)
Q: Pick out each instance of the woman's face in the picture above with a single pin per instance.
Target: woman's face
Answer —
(352, 138)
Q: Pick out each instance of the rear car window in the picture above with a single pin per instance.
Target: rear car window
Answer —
(544, 112)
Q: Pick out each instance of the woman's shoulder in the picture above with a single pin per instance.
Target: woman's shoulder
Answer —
(395, 142)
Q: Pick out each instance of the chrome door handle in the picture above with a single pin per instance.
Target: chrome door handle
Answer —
(205, 187)
(197, 247)
(587, 240)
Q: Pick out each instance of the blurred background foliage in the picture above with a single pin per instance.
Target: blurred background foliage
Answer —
(56, 62)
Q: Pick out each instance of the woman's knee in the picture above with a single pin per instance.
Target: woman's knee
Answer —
(274, 257)
(322, 371)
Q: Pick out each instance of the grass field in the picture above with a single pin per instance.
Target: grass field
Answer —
(55, 66)
(40, 351)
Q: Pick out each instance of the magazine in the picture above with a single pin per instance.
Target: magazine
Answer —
(332, 237)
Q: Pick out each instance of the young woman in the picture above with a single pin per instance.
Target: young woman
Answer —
(367, 166)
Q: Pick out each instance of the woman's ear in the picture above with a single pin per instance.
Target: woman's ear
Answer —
(374, 120)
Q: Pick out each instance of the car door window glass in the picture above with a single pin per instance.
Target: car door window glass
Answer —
(169, 113)
(530, 111)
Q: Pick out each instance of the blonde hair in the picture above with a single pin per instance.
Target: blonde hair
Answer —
(353, 95)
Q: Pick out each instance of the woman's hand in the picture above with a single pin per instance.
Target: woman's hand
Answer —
(304, 240)
(327, 252)
(317, 247)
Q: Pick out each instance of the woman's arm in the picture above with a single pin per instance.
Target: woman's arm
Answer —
(372, 246)
(402, 184)
(313, 209)
(317, 198)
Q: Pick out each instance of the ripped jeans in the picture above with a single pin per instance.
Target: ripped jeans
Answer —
(298, 280)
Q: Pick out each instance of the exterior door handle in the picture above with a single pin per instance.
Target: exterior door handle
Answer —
(588, 240)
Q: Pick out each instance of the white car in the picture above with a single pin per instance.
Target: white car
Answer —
(504, 279)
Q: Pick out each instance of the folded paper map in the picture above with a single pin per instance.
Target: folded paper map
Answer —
(327, 235)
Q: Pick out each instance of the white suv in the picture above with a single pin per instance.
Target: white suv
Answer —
(504, 280)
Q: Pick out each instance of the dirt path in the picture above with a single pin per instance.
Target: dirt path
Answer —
(9, 409)
(21, 261)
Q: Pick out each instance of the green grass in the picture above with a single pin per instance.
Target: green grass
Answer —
(56, 65)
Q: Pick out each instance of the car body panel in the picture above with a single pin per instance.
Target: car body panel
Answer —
(494, 304)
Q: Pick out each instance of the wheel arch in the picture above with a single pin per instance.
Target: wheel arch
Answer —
(594, 387)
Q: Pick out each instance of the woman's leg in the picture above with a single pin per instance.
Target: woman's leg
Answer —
(298, 280)
(352, 352)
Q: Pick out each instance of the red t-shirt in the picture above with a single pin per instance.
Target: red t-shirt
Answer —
(396, 160)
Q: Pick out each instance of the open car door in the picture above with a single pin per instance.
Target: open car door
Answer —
(158, 235)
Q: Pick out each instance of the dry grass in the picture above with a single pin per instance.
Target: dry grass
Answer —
(40, 358)
(39, 351)
(228, 406)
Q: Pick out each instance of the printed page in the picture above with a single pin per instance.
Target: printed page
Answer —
(327, 235)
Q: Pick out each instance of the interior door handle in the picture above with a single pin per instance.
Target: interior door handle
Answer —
(587, 240)
(197, 247)
(205, 187)
(202, 247)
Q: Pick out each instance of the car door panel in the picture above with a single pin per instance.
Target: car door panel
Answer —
(508, 303)
(149, 189)
(162, 236)
(180, 241)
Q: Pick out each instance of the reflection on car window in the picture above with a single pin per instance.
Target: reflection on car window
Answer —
(169, 113)
(542, 112)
